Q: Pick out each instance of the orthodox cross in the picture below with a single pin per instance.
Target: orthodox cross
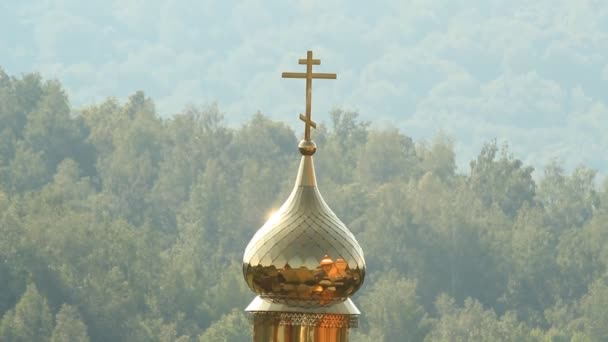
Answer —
(309, 75)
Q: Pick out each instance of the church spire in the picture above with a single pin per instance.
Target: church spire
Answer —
(304, 263)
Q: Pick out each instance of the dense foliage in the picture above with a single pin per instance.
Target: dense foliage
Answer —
(117, 225)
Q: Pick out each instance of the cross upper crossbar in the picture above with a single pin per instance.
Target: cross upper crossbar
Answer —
(314, 75)
(305, 61)
(308, 75)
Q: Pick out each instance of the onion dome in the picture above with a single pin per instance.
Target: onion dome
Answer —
(304, 256)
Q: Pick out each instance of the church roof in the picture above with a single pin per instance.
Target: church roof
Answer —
(304, 256)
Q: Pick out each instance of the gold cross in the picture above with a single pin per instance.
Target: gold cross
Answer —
(309, 75)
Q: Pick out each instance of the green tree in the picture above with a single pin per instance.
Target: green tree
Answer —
(387, 155)
(262, 139)
(501, 179)
(594, 307)
(194, 137)
(532, 283)
(438, 157)
(569, 201)
(27, 170)
(69, 326)
(28, 90)
(474, 323)
(392, 310)
(233, 327)
(128, 173)
(6, 326)
(18, 97)
(51, 130)
(341, 146)
(13, 276)
(32, 319)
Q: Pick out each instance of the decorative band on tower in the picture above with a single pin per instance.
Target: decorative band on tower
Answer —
(304, 263)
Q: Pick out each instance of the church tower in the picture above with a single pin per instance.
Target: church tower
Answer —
(303, 263)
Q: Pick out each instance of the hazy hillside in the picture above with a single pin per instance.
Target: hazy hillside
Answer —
(533, 73)
(117, 225)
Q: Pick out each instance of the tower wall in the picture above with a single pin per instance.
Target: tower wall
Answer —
(276, 322)
(300, 327)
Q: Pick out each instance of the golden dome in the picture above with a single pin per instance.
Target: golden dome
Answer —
(304, 255)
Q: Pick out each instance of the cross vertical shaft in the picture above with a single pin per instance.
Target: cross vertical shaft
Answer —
(308, 94)
(308, 75)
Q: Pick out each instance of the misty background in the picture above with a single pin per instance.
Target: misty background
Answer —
(533, 74)
(142, 144)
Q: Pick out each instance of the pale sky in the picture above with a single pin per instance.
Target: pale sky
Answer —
(532, 73)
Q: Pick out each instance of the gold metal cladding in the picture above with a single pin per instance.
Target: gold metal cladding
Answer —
(290, 327)
(347, 308)
(307, 147)
(319, 75)
(311, 123)
(308, 75)
(305, 61)
(304, 255)
(307, 319)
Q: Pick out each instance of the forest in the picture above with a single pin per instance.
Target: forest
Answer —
(119, 225)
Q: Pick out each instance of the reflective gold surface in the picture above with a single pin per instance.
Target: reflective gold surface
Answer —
(307, 147)
(289, 327)
(304, 263)
(345, 308)
(304, 255)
